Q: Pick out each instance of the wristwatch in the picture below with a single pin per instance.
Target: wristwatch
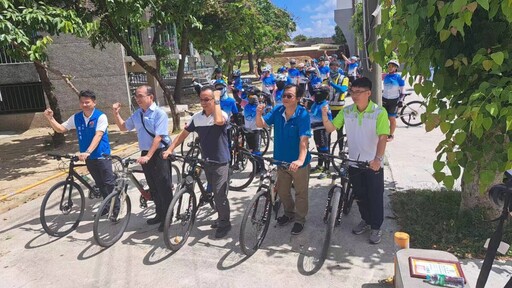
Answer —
(217, 102)
(380, 158)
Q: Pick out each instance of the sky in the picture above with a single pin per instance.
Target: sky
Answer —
(314, 18)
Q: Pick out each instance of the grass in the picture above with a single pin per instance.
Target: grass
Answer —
(433, 221)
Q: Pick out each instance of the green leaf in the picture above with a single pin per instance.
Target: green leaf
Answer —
(448, 182)
(509, 123)
(472, 6)
(448, 63)
(460, 137)
(492, 108)
(487, 123)
(457, 5)
(445, 127)
(439, 176)
(476, 58)
(451, 157)
(498, 57)
(487, 64)
(487, 177)
(438, 165)
(484, 4)
(443, 35)
(455, 169)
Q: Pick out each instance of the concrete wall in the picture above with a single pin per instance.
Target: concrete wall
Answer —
(18, 73)
(342, 18)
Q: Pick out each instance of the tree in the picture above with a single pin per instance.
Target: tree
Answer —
(26, 31)
(300, 38)
(468, 43)
(114, 21)
(339, 37)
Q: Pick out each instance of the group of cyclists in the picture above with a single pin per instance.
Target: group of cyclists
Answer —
(299, 101)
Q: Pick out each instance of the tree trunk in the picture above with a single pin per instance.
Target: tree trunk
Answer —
(57, 138)
(250, 57)
(181, 64)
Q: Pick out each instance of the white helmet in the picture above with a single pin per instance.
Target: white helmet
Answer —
(281, 77)
(394, 62)
(266, 68)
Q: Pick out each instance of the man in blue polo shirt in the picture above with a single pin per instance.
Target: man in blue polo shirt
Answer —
(151, 124)
(292, 130)
(91, 129)
(212, 126)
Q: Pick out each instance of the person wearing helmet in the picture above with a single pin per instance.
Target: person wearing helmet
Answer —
(282, 70)
(217, 75)
(352, 66)
(303, 79)
(320, 95)
(281, 82)
(393, 88)
(251, 132)
(293, 72)
(338, 91)
(227, 104)
(323, 69)
(313, 80)
(236, 88)
(268, 80)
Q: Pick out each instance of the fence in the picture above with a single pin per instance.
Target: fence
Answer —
(21, 98)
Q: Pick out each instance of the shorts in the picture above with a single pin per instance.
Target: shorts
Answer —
(321, 138)
(391, 106)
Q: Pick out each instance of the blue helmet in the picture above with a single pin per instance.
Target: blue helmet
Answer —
(237, 73)
(219, 82)
(282, 69)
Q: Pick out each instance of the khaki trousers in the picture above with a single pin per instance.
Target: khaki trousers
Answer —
(297, 209)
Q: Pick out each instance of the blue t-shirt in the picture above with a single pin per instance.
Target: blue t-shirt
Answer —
(392, 84)
(238, 83)
(228, 105)
(316, 115)
(279, 97)
(287, 133)
(352, 69)
(155, 120)
(324, 71)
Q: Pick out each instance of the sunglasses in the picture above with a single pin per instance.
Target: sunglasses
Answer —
(206, 100)
(288, 96)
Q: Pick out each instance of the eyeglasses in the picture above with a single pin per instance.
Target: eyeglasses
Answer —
(356, 92)
(140, 96)
(288, 96)
(206, 100)
(219, 88)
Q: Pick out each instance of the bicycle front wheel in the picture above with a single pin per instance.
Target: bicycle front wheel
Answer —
(176, 177)
(265, 141)
(112, 219)
(194, 152)
(348, 199)
(331, 220)
(62, 208)
(179, 219)
(255, 222)
(241, 171)
(411, 113)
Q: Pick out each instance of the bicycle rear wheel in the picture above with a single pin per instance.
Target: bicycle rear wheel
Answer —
(241, 171)
(112, 219)
(335, 192)
(265, 141)
(411, 113)
(255, 222)
(62, 208)
(187, 144)
(179, 219)
(336, 164)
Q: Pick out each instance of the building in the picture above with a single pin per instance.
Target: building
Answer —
(342, 15)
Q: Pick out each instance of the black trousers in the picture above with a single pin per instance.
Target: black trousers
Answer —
(101, 172)
(158, 175)
(368, 187)
(338, 131)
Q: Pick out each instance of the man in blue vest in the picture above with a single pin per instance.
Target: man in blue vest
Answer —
(151, 124)
(91, 129)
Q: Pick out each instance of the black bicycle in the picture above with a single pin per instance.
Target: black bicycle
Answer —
(258, 212)
(182, 211)
(190, 141)
(339, 198)
(63, 205)
(113, 215)
(242, 167)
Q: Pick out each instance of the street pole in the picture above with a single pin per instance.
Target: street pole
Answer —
(375, 71)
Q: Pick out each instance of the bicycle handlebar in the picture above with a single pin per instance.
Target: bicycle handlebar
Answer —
(360, 164)
(188, 159)
(272, 161)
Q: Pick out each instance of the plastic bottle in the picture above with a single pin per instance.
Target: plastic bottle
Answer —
(445, 281)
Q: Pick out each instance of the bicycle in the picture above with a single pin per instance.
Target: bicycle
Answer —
(113, 215)
(241, 165)
(190, 141)
(258, 212)
(411, 111)
(63, 205)
(182, 211)
(335, 151)
(339, 197)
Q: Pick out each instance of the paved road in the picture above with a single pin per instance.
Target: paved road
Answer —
(30, 258)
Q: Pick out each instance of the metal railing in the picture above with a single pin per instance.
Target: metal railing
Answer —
(21, 98)
(6, 59)
(140, 40)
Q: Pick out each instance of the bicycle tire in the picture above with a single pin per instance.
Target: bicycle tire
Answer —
(70, 221)
(184, 218)
(189, 143)
(104, 224)
(349, 198)
(244, 168)
(265, 141)
(411, 113)
(117, 165)
(261, 222)
(331, 222)
(194, 152)
(176, 177)
(334, 149)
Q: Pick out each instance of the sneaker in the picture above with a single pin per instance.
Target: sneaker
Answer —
(297, 228)
(222, 231)
(361, 228)
(317, 169)
(215, 224)
(322, 175)
(375, 236)
(154, 220)
(283, 220)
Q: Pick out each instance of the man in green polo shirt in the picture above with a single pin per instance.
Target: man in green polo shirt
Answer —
(367, 127)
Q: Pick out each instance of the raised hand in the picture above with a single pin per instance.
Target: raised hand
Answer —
(116, 107)
(259, 109)
(48, 113)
